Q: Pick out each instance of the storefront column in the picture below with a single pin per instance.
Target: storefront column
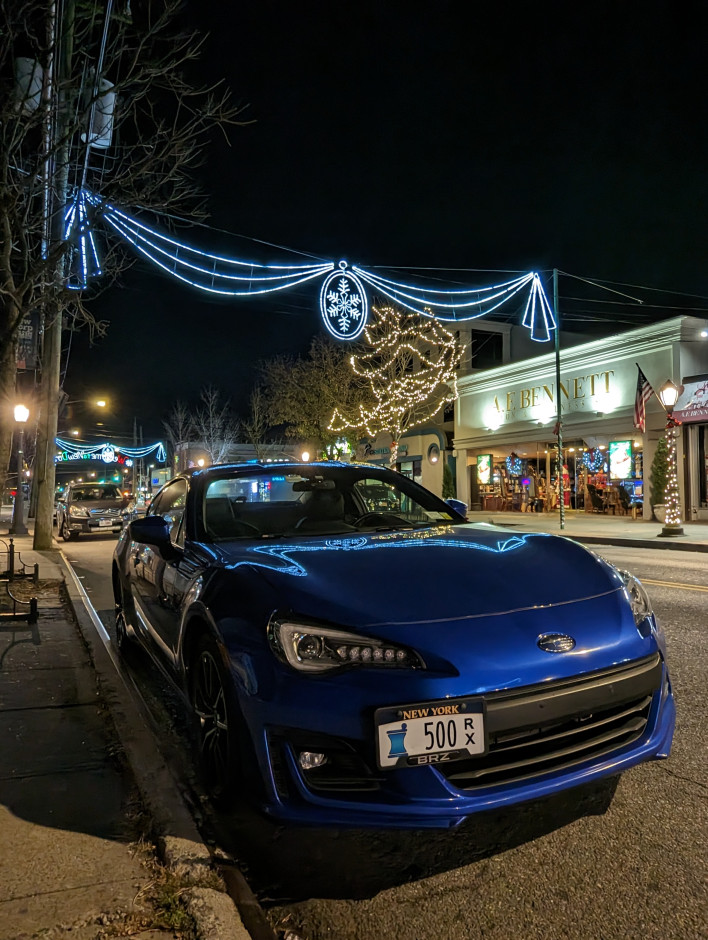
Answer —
(648, 450)
(683, 475)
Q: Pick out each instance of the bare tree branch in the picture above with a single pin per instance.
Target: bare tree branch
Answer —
(213, 426)
(161, 125)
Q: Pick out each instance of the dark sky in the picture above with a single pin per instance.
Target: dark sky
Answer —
(496, 136)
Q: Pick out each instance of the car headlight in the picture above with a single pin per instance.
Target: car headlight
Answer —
(312, 648)
(78, 511)
(637, 596)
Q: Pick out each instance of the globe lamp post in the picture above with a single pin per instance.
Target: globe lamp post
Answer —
(668, 396)
(18, 527)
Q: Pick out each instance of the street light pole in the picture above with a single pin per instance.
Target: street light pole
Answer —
(17, 526)
(668, 396)
(559, 408)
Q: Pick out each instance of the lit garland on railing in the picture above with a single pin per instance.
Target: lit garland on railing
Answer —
(107, 452)
(343, 300)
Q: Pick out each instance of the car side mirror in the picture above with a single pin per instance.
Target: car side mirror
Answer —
(459, 507)
(155, 531)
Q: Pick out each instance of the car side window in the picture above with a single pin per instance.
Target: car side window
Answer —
(170, 504)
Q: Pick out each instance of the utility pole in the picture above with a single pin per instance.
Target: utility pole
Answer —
(559, 405)
(56, 175)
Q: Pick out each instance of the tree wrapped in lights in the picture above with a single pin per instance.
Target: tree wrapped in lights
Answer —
(409, 366)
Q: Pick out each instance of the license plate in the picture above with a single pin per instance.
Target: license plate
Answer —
(429, 733)
(106, 522)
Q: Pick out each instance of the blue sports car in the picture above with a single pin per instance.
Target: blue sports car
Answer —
(355, 653)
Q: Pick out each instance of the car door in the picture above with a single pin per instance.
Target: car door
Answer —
(158, 584)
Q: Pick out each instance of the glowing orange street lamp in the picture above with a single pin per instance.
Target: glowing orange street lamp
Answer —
(668, 396)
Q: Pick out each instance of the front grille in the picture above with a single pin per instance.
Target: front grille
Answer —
(557, 726)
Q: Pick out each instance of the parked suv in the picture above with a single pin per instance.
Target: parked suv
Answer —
(92, 507)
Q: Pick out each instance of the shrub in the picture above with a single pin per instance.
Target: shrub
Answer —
(449, 490)
(659, 472)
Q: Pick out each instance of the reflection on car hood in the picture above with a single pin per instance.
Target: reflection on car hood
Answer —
(426, 575)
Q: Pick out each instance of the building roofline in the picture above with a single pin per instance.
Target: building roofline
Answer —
(630, 344)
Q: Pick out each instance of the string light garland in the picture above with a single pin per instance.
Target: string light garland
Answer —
(410, 367)
(671, 493)
(106, 452)
(343, 301)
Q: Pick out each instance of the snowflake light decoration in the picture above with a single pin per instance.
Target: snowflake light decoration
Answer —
(343, 301)
(343, 304)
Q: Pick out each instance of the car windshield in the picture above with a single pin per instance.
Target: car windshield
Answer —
(317, 500)
(93, 493)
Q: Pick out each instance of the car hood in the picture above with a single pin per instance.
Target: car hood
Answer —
(474, 599)
(407, 576)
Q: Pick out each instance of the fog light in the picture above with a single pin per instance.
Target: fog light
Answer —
(308, 760)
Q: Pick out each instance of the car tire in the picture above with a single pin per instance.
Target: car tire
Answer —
(66, 532)
(127, 645)
(217, 724)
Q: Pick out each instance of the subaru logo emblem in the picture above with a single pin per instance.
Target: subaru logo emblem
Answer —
(555, 642)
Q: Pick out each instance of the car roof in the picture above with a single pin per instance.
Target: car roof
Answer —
(219, 468)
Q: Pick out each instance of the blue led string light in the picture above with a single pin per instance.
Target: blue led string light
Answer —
(78, 452)
(84, 262)
(343, 300)
(514, 465)
(160, 248)
(445, 304)
(424, 295)
(593, 459)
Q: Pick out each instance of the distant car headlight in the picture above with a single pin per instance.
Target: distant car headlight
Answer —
(312, 648)
(637, 595)
(78, 512)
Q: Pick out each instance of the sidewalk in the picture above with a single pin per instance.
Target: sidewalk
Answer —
(73, 863)
(593, 528)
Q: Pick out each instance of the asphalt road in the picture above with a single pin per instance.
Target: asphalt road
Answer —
(565, 868)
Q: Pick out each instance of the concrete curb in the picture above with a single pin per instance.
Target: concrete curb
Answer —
(181, 848)
(672, 544)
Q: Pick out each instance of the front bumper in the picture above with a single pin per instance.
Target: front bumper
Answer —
(95, 525)
(574, 739)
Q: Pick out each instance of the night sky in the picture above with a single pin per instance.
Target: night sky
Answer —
(489, 137)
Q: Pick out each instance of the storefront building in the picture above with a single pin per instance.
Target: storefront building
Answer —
(505, 424)
(421, 455)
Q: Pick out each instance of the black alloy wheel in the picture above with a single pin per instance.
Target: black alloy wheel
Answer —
(212, 699)
(66, 532)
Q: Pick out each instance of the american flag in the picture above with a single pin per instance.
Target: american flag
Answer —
(644, 393)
